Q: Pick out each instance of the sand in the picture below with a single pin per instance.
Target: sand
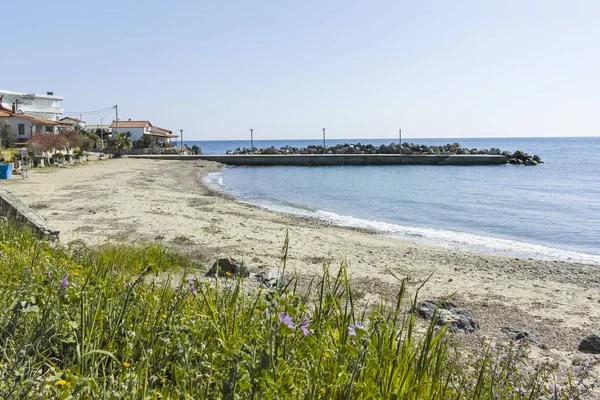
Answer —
(124, 200)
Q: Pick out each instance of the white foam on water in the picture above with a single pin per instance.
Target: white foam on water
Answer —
(439, 237)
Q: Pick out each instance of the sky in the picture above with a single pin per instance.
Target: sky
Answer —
(361, 69)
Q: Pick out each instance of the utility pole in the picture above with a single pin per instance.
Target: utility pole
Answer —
(181, 130)
(324, 141)
(251, 139)
(400, 136)
(101, 134)
(116, 120)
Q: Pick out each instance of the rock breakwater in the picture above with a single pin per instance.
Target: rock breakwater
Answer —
(517, 158)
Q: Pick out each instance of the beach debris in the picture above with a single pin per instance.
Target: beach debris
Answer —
(518, 157)
(590, 344)
(271, 278)
(227, 267)
(518, 334)
(457, 319)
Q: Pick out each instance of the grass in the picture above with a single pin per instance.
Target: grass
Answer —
(115, 322)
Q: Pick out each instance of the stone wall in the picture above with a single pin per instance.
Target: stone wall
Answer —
(22, 215)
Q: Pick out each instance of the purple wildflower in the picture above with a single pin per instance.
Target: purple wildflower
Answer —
(286, 319)
(304, 327)
(49, 274)
(64, 282)
(353, 327)
(193, 289)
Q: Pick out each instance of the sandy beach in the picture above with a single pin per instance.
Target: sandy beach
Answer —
(124, 200)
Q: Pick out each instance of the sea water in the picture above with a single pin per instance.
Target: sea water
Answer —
(550, 211)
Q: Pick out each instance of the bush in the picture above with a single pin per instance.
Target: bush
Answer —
(7, 136)
(135, 322)
(74, 138)
(49, 141)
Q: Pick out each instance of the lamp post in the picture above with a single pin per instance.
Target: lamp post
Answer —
(181, 130)
(400, 136)
(31, 130)
(324, 141)
(251, 139)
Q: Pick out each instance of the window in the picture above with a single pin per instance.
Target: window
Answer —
(49, 129)
(21, 129)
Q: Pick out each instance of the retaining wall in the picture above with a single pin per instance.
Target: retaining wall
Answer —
(22, 215)
(340, 159)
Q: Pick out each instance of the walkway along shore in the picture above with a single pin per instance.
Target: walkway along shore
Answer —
(338, 159)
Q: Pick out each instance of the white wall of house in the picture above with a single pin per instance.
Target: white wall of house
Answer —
(136, 133)
(22, 129)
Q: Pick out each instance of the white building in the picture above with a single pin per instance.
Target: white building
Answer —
(73, 122)
(43, 106)
(25, 126)
(137, 129)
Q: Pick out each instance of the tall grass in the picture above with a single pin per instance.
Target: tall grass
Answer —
(136, 322)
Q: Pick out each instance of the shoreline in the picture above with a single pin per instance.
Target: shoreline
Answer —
(125, 200)
(529, 250)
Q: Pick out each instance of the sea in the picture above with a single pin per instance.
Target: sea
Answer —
(550, 211)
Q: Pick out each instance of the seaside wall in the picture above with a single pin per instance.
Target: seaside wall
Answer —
(22, 215)
(340, 159)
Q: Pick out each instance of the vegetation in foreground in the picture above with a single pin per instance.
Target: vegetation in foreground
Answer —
(113, 322)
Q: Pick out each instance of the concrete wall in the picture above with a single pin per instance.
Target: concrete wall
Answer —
(22, 215)
(342, 159)
(136, 133)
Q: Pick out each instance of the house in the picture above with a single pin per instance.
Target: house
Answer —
(73, 122)
(43, 106)
(25, 126)
(137, 129)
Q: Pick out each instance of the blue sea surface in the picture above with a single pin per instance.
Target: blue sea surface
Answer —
(550, 211)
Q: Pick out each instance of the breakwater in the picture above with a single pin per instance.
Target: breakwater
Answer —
(339, 159)
(405, 149)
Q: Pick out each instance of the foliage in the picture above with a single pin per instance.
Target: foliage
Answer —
(144, 142)
(136, 322)
(196, 150)
(74, 138)
(93, 136)
(121, 141)
(47, 141)
(7, 136)
(7, 155)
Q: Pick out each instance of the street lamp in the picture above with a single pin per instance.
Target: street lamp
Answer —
(323, 140)
(181, 130)
(251, 139)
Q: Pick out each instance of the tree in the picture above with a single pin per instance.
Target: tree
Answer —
(7, 136)
(121, 142)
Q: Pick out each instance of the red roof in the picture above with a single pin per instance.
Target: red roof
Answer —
(4, 113)
(130, 124)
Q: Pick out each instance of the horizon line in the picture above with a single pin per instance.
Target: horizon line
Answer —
(403, 139)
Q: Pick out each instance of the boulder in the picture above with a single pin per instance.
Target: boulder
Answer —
(517, 334)
(537, 159)
(530, 162)
(224, 265)
(457, 319)
(590, 344)
(271, 278)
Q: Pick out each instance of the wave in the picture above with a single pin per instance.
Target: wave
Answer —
(438, 237)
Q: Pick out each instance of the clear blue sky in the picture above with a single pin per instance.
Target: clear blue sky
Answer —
(359, 68)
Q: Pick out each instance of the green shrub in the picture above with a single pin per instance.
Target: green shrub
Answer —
(136, 322)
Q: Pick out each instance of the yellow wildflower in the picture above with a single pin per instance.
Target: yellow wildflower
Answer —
(62, 382)
(164, 316)
(326, 355)
(228, 273)
(126, 365)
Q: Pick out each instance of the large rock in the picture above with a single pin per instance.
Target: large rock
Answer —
(271, 278)
(517, 334)
(227, 265)
(457, 319)
(590, 344)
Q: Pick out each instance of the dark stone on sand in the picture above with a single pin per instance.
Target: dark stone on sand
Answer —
(457, 319)
(517, 334)
(225, 265)
(590, 344)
